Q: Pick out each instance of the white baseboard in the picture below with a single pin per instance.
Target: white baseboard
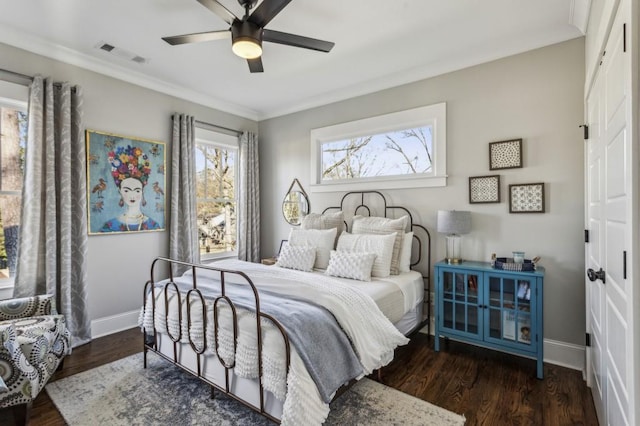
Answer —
(564, 354)
(112, 324)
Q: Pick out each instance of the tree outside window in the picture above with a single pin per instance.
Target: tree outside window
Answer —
(13, 135)
(216, 198)
(404, 152)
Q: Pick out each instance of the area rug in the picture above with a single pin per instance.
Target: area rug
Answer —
(124, 393)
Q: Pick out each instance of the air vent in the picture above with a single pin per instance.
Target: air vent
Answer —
(107, 47)
(122, 53)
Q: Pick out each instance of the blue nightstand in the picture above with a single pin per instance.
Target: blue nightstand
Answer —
(493, 308)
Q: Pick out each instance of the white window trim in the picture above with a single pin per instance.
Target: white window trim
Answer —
(14, 96)
(210, 137)
(431, 115)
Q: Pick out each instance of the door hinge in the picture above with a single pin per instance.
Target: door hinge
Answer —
(587, 340)
(586, 235)
(585, 129)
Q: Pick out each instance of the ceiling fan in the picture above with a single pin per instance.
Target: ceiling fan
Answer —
(248, 33)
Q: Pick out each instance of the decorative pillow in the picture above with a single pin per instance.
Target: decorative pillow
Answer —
(346, 264)
(321, 239)
(383, 225)
(405, 253)
(380, 245)
(324, 221)
(300, 258)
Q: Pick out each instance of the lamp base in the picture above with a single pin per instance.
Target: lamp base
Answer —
(453, 249)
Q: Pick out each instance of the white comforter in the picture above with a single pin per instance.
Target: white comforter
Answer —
(373, 336)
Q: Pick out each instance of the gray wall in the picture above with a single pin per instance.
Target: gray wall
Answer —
(536, 96)
(119, 264)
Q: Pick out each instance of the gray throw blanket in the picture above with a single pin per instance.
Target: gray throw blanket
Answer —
(320, 342)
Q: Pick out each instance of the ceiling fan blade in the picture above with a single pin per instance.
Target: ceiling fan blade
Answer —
(219, 10)
(255, 65)
(197, 37)
(297, 41)
(267, 10)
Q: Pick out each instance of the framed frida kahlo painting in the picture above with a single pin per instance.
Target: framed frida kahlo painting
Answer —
(125, 184)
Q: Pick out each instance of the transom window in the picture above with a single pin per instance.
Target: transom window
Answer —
(396, 153)
(13, 137)
(216, 159)
(406, 149)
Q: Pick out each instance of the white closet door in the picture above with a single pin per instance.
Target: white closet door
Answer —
(610, 359)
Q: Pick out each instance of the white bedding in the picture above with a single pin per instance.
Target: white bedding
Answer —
(395, 295)
(373, 336)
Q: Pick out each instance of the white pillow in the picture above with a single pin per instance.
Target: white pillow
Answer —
(321, 239)
(405, 253)
(346, 264)
(383, 225)
(324, 221)
(300, 258)
(381, 245)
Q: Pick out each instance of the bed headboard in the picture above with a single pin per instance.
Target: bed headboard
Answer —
(374, 203)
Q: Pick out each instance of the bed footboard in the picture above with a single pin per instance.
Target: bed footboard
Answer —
(200, 356)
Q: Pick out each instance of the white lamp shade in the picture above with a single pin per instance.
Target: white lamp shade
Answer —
(454, 222)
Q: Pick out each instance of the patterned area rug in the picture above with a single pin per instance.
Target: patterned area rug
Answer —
(124, 393)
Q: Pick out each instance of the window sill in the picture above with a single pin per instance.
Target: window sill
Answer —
(6, 284)
(215, 257)
(360, 185)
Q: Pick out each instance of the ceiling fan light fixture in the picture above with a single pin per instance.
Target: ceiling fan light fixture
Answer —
(247, 49)
(246, 40)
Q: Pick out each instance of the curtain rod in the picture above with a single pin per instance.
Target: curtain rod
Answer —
(16, 75)
(26, 80)
(215, 126)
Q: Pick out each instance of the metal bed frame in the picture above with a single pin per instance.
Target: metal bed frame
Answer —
(150, 337)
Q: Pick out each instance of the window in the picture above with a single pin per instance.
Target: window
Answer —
(13, 136)
(406, 149)
(216, 160)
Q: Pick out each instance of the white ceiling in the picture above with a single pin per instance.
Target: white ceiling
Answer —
(378, 44)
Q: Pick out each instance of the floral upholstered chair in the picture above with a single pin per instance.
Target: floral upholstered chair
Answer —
(33, 342)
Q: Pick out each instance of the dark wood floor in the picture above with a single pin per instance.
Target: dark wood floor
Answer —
(488, 387)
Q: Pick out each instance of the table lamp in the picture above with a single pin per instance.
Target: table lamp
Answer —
(454, 223)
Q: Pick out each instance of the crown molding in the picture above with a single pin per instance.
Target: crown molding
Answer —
(461, 60)
(579, 14)
(37, 45)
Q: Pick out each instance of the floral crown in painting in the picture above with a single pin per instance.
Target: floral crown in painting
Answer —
(129, 162)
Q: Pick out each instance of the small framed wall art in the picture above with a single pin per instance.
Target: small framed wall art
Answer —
(484, 189)
(505, 154)
(526, 198)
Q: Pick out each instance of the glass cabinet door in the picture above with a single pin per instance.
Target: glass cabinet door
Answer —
(459, 310)
(509, 309)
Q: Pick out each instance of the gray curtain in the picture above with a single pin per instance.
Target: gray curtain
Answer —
(183, 232)
(52, 247)
(249, 218)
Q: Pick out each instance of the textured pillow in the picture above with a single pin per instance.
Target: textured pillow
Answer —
(383, 225)
(380, 245)
(346, 264)
(324, 221)
(321, 239)
(405, 253)
(300, 258)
